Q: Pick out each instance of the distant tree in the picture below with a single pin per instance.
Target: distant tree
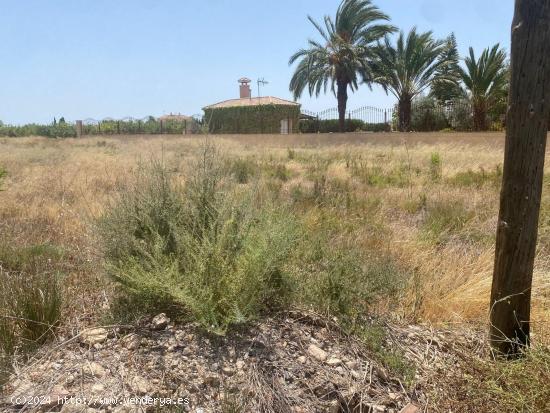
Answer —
(523, 173)
(54, 121)
(343, 58)
(61, 120)
(486, 81)
(447, 88)
(409, 68)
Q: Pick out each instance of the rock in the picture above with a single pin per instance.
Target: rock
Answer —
(160, 322)
(302, 359)
(212, 381)
(94, 369)
(131, 341)
(239, 364)
(98, 388)
(352, 365)
(139, 385)
(410, 408)
(228, 371)
(333, 362)
(374, 408)
(317, 353)
(93, 336)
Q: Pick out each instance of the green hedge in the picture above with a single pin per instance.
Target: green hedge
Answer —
(251, 119)
(58, 130)
(332, 125)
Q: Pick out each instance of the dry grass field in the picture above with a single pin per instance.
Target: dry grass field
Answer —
(427, 203)
(433, 196)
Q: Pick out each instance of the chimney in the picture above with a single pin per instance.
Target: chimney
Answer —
(244, 88)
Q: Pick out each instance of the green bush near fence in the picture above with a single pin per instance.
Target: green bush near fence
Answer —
(332, 126)
(251, 119)
(57, 130)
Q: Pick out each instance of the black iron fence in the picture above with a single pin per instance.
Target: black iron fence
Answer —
(426, 116)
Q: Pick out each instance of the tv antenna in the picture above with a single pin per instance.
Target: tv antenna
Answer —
(262, 82)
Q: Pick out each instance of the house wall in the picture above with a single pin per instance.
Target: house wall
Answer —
(252, 119)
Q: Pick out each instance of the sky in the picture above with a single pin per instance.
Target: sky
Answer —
(101, 58)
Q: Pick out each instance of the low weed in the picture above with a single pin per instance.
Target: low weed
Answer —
(443, 219)
(30, 298)
(478, 178)
(3, 174)
(436, 167)
(243, 169)
(374, 336)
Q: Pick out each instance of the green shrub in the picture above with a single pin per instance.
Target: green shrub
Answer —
(206, 248)
(333, 126)
(427, 115)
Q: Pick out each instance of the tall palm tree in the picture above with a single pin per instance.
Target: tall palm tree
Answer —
(486, 80)
(342, 59)
(409, 68)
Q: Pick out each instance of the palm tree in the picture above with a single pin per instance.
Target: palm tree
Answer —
(343, 58)
(486, 80)
(409, 68)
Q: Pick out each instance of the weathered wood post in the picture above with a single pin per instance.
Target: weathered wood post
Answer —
(526, 131)
(78, 128)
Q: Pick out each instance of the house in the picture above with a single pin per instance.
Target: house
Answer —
(246, 114)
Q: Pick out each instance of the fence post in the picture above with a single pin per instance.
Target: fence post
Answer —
(118, 127)
(161, 126)
(78, 128)
(185, 126)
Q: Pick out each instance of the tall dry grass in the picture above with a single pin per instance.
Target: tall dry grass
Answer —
(441, 227)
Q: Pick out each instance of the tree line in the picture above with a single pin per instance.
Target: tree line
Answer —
(357, 48)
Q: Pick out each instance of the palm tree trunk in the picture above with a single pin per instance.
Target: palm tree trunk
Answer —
(405, 113)
(526, 129)
(342, 96)
(480, 116)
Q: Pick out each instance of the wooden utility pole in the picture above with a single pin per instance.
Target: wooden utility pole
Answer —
(526, 132)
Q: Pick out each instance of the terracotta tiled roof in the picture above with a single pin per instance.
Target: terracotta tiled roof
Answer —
(265, 100)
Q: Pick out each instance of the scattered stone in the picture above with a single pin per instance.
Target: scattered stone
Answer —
(317, 353)
(93, 336)
(302, 359)
(410, 408)
(239, 364)
(160, 322)
(131, 341)
(98, 388)
(333, 362)
(228, 371)
(76, 408)
(140, 385)
(94, 369)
